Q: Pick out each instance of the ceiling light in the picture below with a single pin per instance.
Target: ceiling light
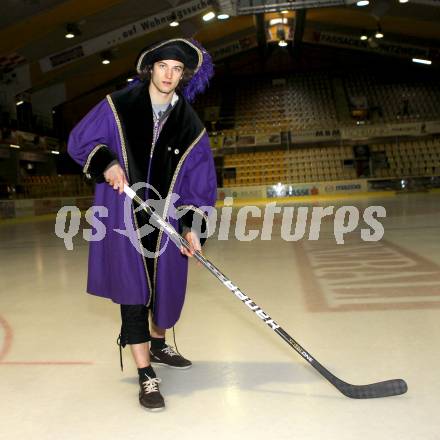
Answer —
(403, 1)
(379, 33)
(14, 146)
(275, 21)
(364, 35)
(106, 57)
(129, 80)
(19, 103)
(174, 23)
(284, 12)
(209, 16)
(421, 61)
(72, 30)
(282, 43)
(55, 152)
(222, 16)
(361, 3)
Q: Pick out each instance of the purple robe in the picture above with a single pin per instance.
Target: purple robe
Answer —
(120, 127)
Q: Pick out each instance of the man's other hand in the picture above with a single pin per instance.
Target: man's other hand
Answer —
(194, 242)
(115, 177)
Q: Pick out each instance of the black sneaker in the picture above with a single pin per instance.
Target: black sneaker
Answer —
(167, 356)
(149, 394)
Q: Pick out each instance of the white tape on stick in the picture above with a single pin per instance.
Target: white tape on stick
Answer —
(130, 193)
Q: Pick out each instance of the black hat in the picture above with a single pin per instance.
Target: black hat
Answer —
(179, 49)
(191, 53)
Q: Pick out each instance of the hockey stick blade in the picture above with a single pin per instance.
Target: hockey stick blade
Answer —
(387, 388)
(393, 387)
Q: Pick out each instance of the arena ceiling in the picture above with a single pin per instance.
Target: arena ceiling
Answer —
(32, 30)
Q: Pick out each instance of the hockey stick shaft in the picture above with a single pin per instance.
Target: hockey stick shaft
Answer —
(382, 389)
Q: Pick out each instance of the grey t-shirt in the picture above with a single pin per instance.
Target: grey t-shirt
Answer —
(159, 109)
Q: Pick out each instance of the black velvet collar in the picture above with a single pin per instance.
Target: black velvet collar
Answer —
(183, 126)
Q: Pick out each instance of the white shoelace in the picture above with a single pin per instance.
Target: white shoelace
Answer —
(169, 350)
(150, 385)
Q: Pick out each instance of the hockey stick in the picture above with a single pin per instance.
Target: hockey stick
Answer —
(387, 388)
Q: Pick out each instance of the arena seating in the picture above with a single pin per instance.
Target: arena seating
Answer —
(315, 164)
(310, 103)
(55, 186)
(395, 99)
(302, 102)
(306, 102)
(300, 165)
(299, 103)
(410, 158)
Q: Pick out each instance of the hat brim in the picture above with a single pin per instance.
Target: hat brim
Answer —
(179, 48)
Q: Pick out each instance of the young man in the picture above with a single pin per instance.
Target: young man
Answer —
(149, 137)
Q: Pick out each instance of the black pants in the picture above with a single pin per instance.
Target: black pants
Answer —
(135, 328)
